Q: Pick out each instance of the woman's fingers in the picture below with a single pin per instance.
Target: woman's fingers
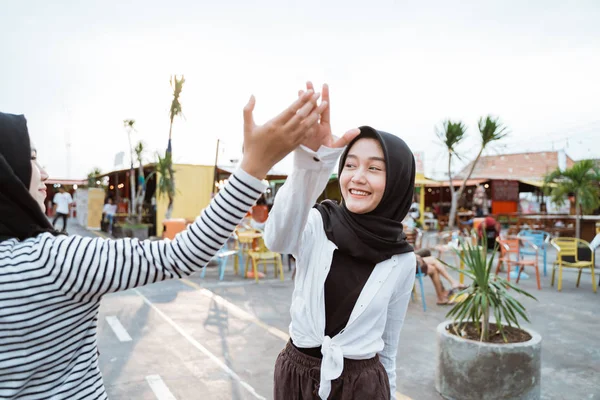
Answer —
(291, 111)
(325, 117)
(248, 117)
(346, 138)
(303, 112)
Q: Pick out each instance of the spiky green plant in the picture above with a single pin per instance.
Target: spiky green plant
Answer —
(487, 295)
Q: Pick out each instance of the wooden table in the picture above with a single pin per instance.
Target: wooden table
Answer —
(245, 240)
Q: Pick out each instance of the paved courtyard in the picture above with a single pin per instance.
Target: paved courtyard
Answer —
(203, 339)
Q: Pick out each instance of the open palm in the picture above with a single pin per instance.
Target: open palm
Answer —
(321, 134)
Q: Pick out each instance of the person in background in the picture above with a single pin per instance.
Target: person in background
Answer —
(490, 229)
(433, 268)
(109, 212)
(62, 206)
(260, 213)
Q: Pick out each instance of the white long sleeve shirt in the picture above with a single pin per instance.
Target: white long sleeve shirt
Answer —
(51, 287)
(295, 227)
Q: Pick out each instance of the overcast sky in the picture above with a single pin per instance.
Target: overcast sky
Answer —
(76, 69)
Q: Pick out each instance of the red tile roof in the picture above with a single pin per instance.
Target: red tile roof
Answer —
(530, 166)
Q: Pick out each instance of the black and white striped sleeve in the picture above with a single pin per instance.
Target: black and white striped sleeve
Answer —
(91, 267)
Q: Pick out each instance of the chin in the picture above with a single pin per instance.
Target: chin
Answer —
(42, 205)
(358, 210)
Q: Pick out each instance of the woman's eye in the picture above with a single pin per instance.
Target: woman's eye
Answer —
(375, 168)
(349, 165)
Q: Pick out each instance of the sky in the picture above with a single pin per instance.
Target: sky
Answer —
(77, 69)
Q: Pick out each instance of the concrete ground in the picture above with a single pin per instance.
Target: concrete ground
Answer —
(203, 339)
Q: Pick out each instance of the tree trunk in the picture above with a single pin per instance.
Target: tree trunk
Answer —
(131, 177)
(132, 190)
(458, 194)
(169, 208)
(577, 219)
(485, 324)
(141, 195)
(453, 209)
(453, 203)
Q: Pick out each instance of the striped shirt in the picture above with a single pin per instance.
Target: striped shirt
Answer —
(51, 287)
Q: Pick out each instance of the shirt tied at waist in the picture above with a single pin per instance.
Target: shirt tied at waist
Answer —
(332, 366)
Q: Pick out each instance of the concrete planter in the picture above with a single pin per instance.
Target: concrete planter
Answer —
(468, 369)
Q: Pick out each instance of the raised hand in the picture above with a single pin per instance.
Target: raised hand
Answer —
(320, 134)
(265, 145)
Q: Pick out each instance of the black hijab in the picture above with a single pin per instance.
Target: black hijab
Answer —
(375, 236)
(20, 215)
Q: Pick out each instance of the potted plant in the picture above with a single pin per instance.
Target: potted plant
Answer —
(483, 353)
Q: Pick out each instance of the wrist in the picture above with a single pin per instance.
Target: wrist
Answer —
(254, 169)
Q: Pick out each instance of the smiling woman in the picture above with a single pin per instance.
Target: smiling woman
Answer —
(355, 269)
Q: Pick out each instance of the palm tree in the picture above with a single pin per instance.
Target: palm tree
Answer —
(141, 190)
(164, 185)
(129, 125)
(92, 177)
(451, 135)
(175, 110)
(582, 180)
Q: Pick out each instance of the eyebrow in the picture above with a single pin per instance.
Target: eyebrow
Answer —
(370, 158)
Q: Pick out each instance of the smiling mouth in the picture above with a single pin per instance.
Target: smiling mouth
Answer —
(358, 193)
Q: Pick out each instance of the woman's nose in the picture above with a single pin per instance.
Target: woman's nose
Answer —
(358, 177)
(43, 174)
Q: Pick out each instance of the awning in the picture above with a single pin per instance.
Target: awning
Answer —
(456, 183)
(66, 182)
(539, 184)
(420, 180)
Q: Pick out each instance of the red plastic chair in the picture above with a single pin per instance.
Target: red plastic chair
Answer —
(511, 246)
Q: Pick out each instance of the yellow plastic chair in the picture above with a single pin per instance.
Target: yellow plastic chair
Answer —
(568, 247)
(265, 256)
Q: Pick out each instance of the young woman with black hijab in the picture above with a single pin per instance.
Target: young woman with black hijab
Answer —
(51, 284)
(355, 270)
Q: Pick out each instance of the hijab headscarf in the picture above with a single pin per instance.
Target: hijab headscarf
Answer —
(20, 215)
(377, 235)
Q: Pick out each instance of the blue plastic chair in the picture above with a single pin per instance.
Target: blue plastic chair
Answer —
(539, 238)
(420, 276)
(224, 253)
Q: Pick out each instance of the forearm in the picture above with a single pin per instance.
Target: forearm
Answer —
(391, 336)
(102, 266)
(294, 200)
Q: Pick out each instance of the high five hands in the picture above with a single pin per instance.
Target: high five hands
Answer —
(303, 122)
(320, 133)
(265, 145)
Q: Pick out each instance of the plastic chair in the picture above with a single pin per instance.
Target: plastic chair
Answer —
(247, 240)
(568, 257)
(444, 245)
(229, 249)
(540, 238)
(512, 246)
(419, 276)
(265, 256)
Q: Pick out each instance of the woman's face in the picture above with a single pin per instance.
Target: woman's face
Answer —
(37, 187)
(362, 180)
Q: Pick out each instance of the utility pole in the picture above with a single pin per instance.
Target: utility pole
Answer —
(216, 174)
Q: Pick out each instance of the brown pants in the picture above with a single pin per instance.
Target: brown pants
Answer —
(297, 378)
